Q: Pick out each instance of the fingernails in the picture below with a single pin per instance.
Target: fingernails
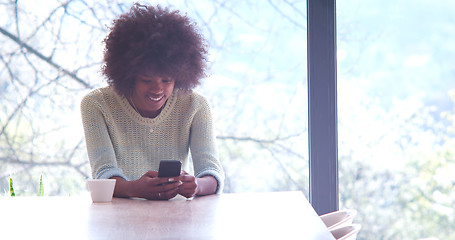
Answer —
(171, 180)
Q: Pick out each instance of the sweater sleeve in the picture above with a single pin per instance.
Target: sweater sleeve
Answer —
(99, 145)
(203, 145)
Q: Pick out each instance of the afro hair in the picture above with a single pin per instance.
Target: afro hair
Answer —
(157, 40)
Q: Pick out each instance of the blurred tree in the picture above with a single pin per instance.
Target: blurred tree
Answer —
(51, 55)
(395, 146)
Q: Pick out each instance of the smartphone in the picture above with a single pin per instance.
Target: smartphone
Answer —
(169, 168)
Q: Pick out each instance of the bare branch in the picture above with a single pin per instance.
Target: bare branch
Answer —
(286, 16)
(44, 58)
(284, 169)
(259, 141)
(28, 165)
(48, 19)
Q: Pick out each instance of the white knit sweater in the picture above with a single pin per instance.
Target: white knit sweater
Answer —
(120, 142)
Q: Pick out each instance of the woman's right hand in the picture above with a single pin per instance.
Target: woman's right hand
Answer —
(149, 186)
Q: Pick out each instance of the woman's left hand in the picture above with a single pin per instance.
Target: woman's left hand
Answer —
(189, 185)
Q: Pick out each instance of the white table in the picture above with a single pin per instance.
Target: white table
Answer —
(276, 215)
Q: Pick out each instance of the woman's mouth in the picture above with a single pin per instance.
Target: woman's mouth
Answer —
(155, 99)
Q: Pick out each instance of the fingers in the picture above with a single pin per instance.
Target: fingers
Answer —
(150, 186)
(168, 190)
(167, 186)
(163, 188)
(151, 174)
(162, 181)
(188, 193)
(168, 194)
(187, 178)
(189, 186)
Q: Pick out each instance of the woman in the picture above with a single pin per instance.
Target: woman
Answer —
(153, 58)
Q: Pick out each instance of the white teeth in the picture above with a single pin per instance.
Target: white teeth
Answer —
(155, 99)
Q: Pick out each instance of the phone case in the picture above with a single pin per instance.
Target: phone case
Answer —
(169, 168)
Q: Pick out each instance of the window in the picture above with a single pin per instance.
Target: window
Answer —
(257, 89)
(396, 117)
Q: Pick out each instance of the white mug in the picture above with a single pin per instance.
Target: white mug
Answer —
(101, 190)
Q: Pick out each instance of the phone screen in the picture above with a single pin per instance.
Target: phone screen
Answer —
(169, 168)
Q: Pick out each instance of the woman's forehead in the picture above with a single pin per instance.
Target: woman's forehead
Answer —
(150, 75)
(149, 72)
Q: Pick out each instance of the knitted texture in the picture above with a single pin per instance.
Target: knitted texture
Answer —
(120, 142)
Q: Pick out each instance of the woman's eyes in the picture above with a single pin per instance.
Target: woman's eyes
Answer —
(167, 80)
(164, 80)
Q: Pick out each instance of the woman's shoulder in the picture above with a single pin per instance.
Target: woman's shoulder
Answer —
(99, 97)
(192, 102)
(99, 94)
(191, 97)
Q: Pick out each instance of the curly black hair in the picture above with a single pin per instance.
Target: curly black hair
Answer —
(155, 39)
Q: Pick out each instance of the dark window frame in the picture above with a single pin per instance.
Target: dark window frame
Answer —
(322, 105)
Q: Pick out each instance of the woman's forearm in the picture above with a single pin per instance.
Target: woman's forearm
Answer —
(123, 188)
(206, 185)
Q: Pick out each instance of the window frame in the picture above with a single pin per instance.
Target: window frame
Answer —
(322, 105)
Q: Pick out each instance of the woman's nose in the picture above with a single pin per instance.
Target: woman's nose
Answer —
(157, 87)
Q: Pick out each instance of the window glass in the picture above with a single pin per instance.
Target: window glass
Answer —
(257, 89)
(396, 94)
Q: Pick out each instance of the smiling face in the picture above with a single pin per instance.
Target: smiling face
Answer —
(150, 94)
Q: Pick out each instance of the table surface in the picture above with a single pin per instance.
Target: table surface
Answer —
(275, 215)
